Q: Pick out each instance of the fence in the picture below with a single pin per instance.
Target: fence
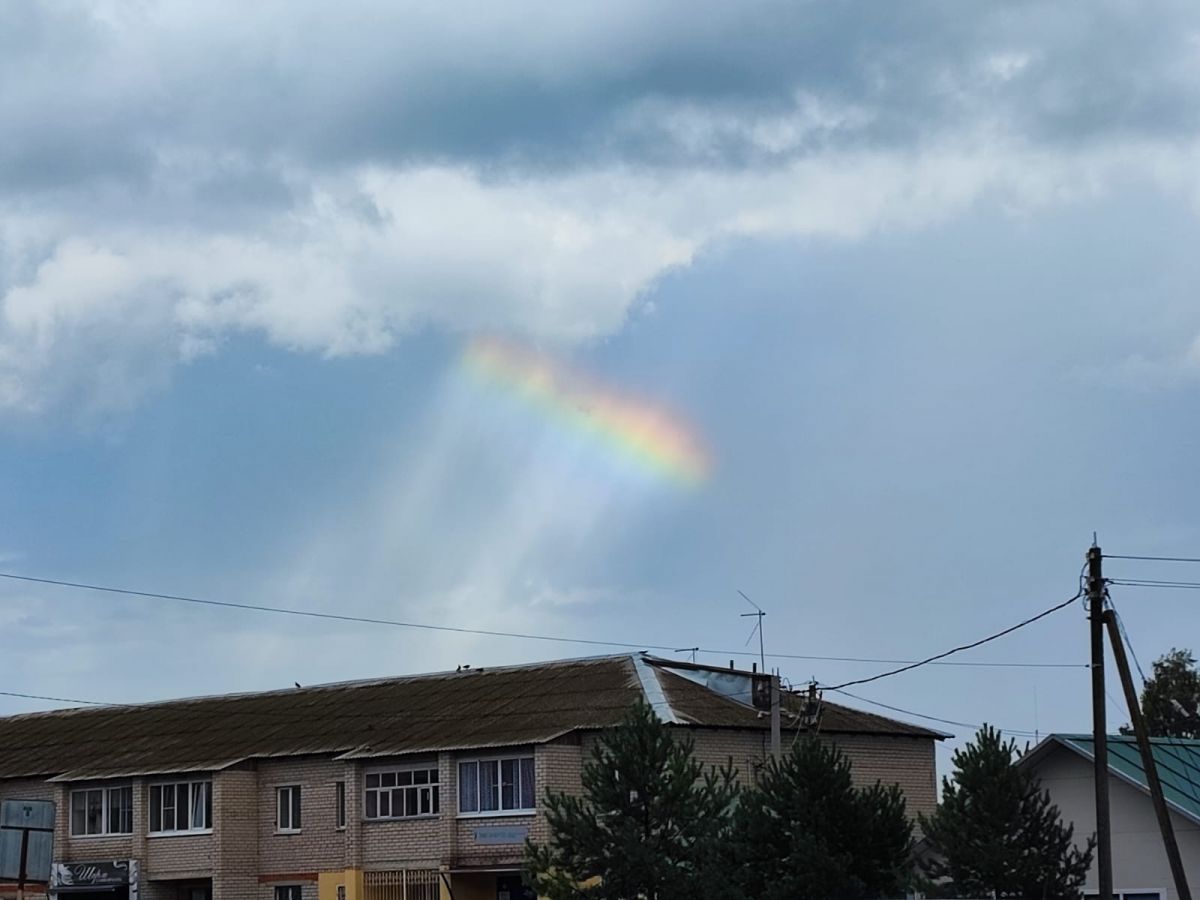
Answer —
(405, 884)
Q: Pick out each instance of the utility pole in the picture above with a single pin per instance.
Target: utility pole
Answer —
(1143, 738)
(776, 731)
(1095, 595)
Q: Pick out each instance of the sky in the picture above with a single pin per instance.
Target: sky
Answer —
(873, 312)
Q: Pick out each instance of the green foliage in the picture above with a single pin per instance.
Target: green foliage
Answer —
(996, 833)
(805, 831)
(1171, 697)
(650, 826)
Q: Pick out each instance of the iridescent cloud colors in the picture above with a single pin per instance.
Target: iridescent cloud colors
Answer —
(637, 430)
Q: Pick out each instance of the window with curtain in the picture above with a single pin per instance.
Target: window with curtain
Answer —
(401, 793)
(181, 806)
(499, 785)
(97, 811)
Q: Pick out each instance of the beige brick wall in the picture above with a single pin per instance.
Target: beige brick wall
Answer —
(906, 761)
(178, 856)
(27, 789)
(246, 856)
(236, 818)
(173, 856)
(420, 842)
(319, 845)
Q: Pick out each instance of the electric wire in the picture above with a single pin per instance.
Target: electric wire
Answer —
(1125, 637)
(962, 647)
(364, 620)
(1181, 559)
(1183, 767)
(909, 712)
(21, 696)
(1154, 583)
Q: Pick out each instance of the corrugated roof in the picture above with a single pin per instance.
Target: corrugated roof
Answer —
(1177, 761)
(385, 717)
(697, 705)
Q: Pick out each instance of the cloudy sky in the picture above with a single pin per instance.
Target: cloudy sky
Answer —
(918, 280)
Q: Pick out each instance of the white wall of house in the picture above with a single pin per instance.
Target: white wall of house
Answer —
(1139, 861)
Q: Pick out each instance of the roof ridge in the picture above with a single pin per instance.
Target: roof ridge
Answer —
(652, 690)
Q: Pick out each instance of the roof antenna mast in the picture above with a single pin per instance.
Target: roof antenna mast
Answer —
(758, 614)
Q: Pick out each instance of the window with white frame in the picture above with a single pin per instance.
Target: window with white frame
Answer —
(401, 793)
(339, 790)
(181, 806)
(96, 811)
(504, 784)
(287, 808)
(288, 892)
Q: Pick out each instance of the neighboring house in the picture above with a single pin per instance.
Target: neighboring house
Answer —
(1064, 763)
(410, 788)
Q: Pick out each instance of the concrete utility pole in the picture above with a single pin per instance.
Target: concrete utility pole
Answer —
(1095, 595)
(776, 731)
(1143, 738)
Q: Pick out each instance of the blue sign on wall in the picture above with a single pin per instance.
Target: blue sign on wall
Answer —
(502, 834)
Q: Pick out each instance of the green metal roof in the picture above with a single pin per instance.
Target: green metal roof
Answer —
(1177, 761)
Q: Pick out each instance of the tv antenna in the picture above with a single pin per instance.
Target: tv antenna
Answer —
(758, 626)
(691, 650)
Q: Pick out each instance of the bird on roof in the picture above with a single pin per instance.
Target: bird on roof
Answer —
(296, 683)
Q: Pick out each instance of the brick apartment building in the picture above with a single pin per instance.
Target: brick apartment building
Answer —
(412, 788)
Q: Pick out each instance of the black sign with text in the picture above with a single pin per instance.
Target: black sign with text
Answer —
(92, 873)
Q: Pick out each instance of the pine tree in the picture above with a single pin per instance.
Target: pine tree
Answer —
(650, 824)
(805, 831)
(996, 833)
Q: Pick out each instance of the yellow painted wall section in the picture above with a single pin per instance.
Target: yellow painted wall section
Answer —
(328, 882)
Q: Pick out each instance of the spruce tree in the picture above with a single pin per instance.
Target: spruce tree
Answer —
(996, 833)
(650, 825)
(805, 831)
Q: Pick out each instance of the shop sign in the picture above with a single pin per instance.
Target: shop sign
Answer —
(106, 874)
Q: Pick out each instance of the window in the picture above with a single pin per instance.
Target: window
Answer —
(340, 792)
(341, 892)
(287, 808)
(289, 892)
(180, 806)
(1130, 895)
(496, 785)
(401, 793)
(102, 811)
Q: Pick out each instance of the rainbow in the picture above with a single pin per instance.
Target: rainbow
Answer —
(633, 429)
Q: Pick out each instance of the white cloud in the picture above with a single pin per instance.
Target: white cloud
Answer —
(105, 317)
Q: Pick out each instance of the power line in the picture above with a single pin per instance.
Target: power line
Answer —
(1128, 642)
(1181, 559)
(56, 699)
(313, 614)
(909, 712)
(1184, 766)
(363, 620)
(1154, 583)
(959, 649)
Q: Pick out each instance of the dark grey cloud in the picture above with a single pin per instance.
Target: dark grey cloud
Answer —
(516, 86)
(332, 177)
